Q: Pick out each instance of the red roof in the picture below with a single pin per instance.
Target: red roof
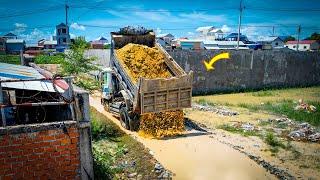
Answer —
(301, 42)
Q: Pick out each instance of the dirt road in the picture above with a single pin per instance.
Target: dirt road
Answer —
(196, 155)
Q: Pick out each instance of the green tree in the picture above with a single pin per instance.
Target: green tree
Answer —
(289, 38)
(314, 36)
(75, 62)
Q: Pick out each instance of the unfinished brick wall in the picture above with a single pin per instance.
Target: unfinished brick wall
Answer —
(48, 153)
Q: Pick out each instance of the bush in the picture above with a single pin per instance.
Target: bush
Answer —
(45, 59)
(10, 59)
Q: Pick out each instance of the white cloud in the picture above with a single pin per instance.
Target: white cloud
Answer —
(20, 25)
(72, 35)
(225, 29)
(34, 35)
(77, 26)
(158, 31)
(203, 17)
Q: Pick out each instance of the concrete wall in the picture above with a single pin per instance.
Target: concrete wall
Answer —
(248, 69)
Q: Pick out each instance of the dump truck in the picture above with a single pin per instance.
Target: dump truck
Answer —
(128, 100)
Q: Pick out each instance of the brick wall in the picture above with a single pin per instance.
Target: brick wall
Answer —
(46, 151)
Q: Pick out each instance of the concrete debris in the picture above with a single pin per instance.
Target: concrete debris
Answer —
(218, 110)
(314, 137)
(302, 106)
(247, 127)
(304, 131)
(132, 175)
(163, 173)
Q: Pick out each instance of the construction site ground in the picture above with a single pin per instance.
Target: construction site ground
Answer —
(196, 154)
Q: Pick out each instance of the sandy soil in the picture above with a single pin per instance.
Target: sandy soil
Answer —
(298, 166)
(197, 155)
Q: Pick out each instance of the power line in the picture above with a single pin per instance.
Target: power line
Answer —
(30, 12)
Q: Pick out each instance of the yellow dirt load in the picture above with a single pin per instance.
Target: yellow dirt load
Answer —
(143, 61)
(162, 124)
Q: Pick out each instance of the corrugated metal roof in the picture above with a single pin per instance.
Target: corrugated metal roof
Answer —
(53, 42)
(10, 71)
(15, 41)
(302, 42)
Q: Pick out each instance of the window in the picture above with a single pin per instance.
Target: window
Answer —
(304, 47)
(64, 40)
(64, 31)
(294, 46)
(277, 44)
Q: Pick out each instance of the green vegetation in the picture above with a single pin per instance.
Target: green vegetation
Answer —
(115, 153)
(107, 46)
(10, 59)
(286, 107)
(77, 65)
(204, 102)
(45, 59)
(264, 93)
(233, 129)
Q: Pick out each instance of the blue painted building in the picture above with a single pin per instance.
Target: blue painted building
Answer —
(15, 46)
(62, 37)
(234, 37)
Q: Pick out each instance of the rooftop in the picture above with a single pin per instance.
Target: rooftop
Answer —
(204, 28)
(15, 41)
(12, 72)
(53, 42)
(302, 42)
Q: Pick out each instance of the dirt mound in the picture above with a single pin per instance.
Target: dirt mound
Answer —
(143, 61)
(162, 124)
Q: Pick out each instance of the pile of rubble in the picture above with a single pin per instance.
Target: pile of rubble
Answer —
(305, 131)
(218, 110)
(298, 131)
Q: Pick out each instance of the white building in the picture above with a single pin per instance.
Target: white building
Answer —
(210, 33)
(165, 39)
(304, 45)
(224, 45)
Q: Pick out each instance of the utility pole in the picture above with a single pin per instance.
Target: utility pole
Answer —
(239, 25)
(272, 30)
(299, 31)
(66, 8)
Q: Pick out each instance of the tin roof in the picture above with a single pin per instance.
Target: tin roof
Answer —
(302, 42)
(10, 71)
(15, 41)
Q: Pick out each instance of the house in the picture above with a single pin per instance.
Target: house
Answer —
(210, 33)
(191, 44)
(102, 40)
(62, 37)
(10, 36)
(15, 46)
(165, 39)
(224, 45)
(2, 45)
(49, 45)
(33, 49)
(234, 37)
(304, 45)
(175, 43)
(97, 44)
(272, 42)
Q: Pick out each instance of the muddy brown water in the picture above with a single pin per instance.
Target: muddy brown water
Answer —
(197, 156)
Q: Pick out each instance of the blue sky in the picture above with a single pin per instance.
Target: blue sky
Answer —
(35, 19)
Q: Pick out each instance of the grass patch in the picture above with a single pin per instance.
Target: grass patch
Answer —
(204, 102)
(116, 154)
(233, 129)
(286, 107)
(10, 59)
(264, 93)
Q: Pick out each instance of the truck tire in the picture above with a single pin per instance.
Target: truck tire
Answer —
(134, 122)
(124, 118)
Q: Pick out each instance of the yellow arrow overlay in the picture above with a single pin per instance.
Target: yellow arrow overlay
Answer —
(209, 65)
